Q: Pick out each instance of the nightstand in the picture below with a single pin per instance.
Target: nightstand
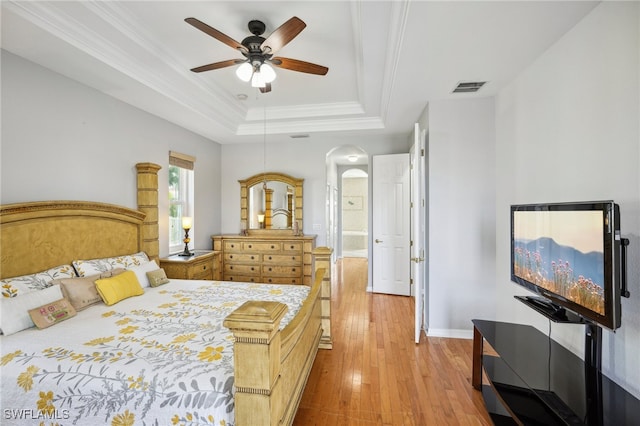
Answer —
(200, 266)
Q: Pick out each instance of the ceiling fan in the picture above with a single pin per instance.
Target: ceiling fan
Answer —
(258, 52)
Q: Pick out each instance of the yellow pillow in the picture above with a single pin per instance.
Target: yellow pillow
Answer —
(114, 289)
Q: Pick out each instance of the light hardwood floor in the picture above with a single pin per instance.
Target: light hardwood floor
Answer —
(376, 375)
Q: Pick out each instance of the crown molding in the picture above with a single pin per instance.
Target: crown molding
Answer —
(310, 126)
(398, 18)
(305, 111)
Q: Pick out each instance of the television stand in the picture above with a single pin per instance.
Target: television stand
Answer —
(533, 380)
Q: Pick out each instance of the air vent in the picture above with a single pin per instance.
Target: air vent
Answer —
(468, 86)
(299, 136)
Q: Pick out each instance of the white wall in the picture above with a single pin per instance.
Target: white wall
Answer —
(63, 140)
(568, 130)
(301, 158)
(461, 180)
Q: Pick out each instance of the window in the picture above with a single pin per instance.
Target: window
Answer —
(181, 190)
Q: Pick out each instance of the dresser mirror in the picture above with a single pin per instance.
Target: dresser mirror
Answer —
(271, 202)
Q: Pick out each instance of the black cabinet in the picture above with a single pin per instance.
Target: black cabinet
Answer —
(533, 380)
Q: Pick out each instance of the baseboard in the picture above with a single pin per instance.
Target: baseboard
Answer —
(451, 333)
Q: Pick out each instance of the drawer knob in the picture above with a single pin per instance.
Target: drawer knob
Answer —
(250, 246)
(204, 267)
(252, 257)
(270, 258)
(270, 269)
(291, 247)
(231, 256)
(253, 269)
(293, 258)
(273, 246)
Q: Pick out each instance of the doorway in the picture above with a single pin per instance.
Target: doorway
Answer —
(348, 205)
(355, 213)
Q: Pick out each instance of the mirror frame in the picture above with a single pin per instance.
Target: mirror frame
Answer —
(245, 184)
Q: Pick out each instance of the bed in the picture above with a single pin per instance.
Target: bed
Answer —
(159, 357)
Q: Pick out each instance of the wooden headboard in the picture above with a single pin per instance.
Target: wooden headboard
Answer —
(35, 236)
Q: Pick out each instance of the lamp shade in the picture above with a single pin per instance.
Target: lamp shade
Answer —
(244, 71)
(187, 222)
(267, 73)
(258, 80)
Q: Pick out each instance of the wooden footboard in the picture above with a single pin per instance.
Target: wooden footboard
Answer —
(272, 366)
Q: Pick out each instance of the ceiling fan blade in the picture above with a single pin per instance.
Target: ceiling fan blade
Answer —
(283, 35)
(218, 65)
(216, 34)
(300, 66)
(266, 88)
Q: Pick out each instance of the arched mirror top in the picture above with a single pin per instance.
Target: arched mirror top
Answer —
(271, 202)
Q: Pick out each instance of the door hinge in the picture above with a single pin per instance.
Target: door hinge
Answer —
(410, 281)
(422, 152)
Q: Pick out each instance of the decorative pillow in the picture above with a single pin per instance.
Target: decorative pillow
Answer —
(97, 266)
(141, 272)
(122, 286)
(17, 286)
(81, 292)
(157, 277)
(15, 310)
(52, 313)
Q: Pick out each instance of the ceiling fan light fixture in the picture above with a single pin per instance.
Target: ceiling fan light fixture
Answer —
(268, 73)
(258, 80)
(244, 72)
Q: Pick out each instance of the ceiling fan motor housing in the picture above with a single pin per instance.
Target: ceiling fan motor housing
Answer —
(256, 27)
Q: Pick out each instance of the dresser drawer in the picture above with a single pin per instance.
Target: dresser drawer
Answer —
(292, 246)
(283, 280)
(281, 271)
(233, 269)
(261, 246)
(204, 274)
(232, 245)
(286, 259)
(241, 278)
(242, 257)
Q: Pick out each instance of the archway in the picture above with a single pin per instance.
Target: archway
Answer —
(354, 220)
(339, 160)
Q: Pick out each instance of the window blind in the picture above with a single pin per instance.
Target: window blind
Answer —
(181, 160)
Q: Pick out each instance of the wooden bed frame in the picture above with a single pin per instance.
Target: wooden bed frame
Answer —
(271, 365)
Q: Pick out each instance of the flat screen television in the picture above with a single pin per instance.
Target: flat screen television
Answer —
(568, 253)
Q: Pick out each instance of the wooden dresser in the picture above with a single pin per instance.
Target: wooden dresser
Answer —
(200, 266)
(278, 259)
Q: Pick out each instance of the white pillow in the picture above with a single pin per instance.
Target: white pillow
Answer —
(18, 286)
(14, 315)
(98, 266)
(141, 272)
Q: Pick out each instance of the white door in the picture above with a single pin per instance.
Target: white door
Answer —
(391, 221)
(418, 225)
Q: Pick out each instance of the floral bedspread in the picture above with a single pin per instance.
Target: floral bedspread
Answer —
(162, 358)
